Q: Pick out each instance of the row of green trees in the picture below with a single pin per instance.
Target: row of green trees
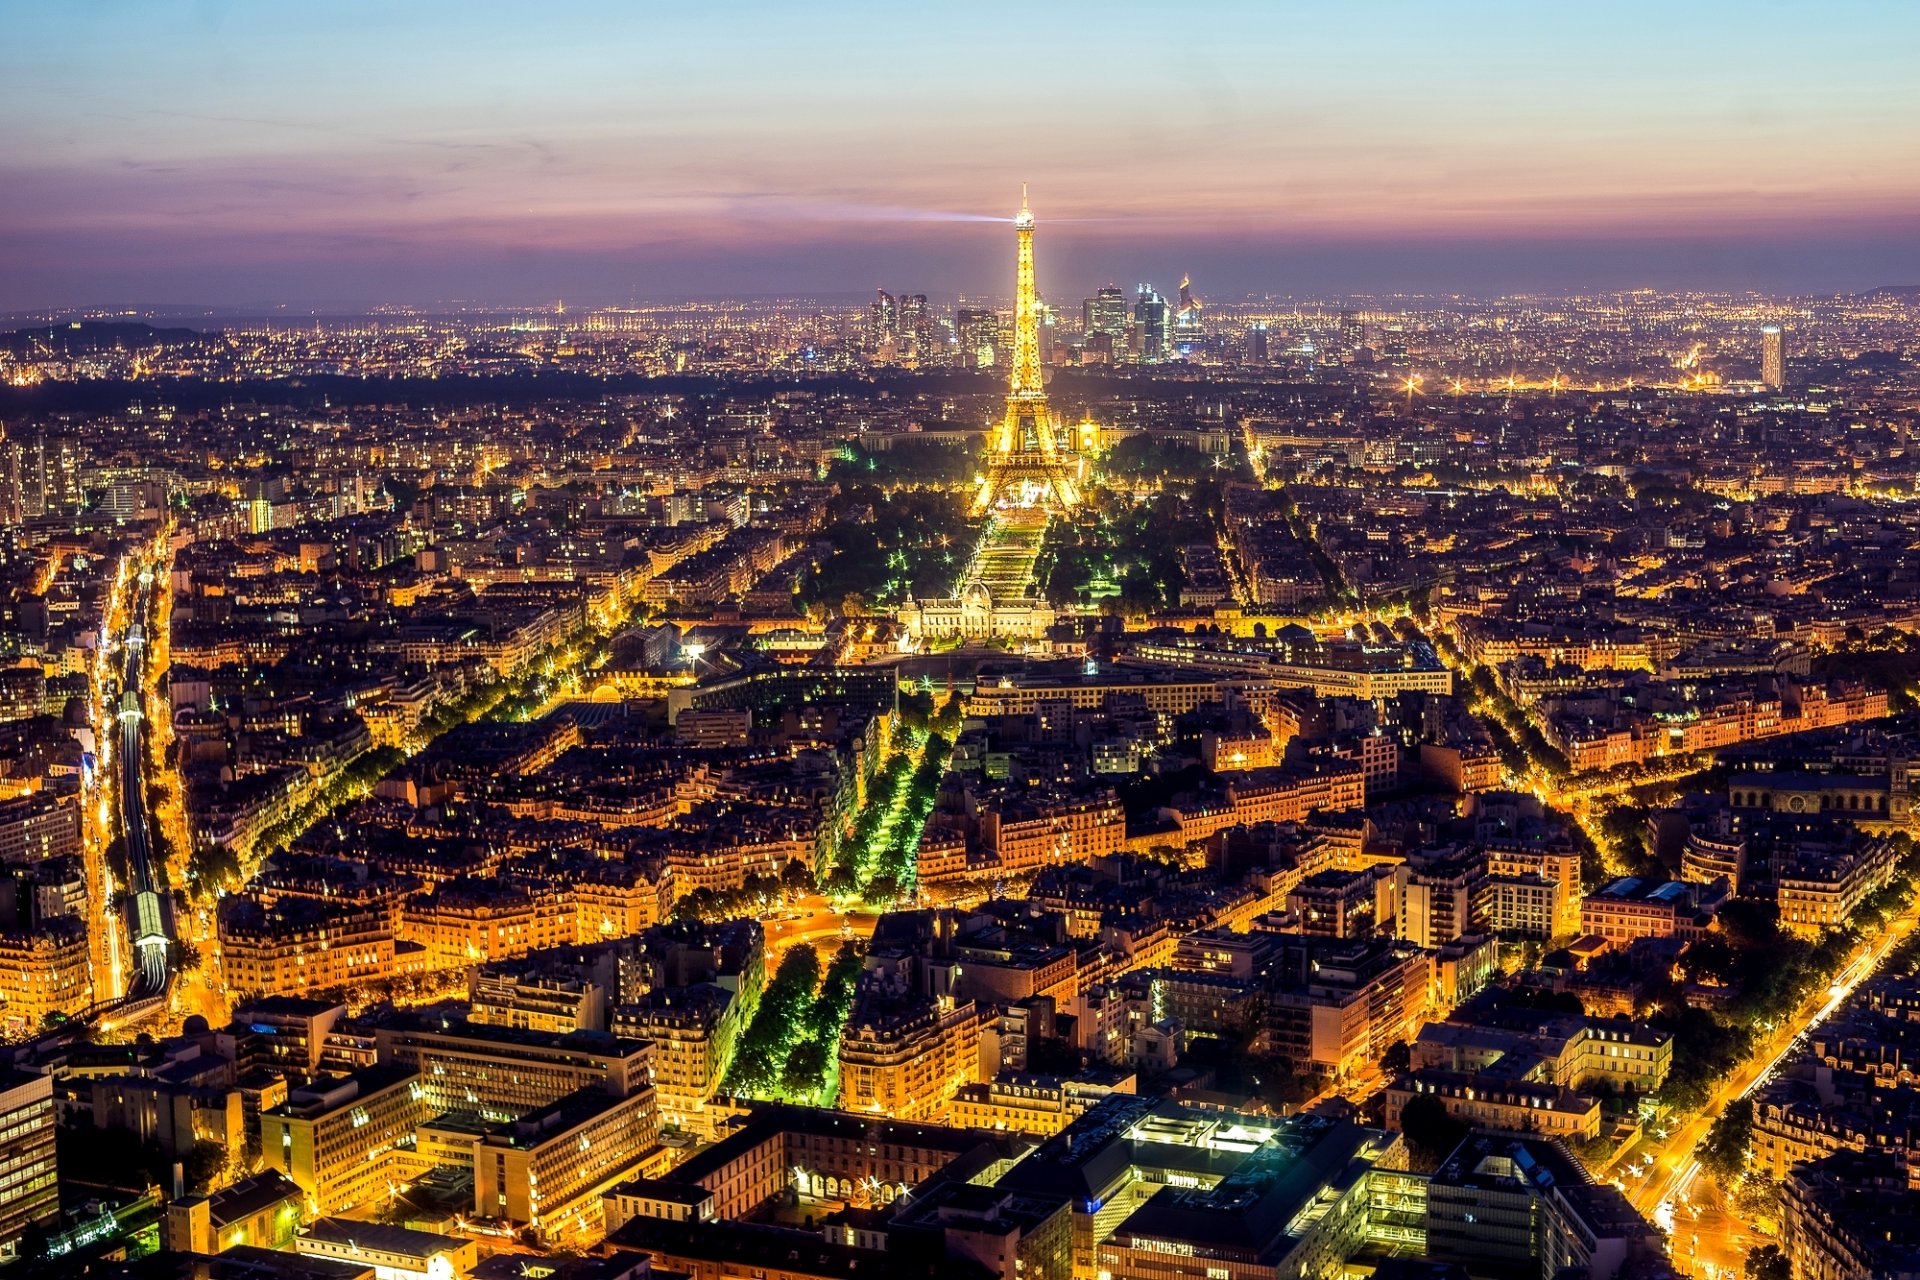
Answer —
(1323, 564)
(1774, 973)
(1889, 659)
(1543, 754)
(877, 856)
(761, 1055)
(510, 698)
(812, 1070)
(1168, 458)
(943, 463)
(857, 853)
(214, 868)
(898, 863)
(787, 1052)
(754, 895)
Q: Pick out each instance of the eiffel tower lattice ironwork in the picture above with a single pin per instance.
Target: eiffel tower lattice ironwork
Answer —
(1027, 467)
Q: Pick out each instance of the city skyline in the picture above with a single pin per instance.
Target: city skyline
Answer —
(210, 156)
(1050, 643)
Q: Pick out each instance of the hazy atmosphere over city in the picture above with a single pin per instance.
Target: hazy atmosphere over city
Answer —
(233, 153)
(1004, 642)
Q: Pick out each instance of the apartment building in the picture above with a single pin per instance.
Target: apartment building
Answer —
(29, 1190)
(547, 1170)
(340, 1138)
(906, 1056)
(507, 1072)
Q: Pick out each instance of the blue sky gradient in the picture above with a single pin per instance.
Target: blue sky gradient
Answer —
(262, 152)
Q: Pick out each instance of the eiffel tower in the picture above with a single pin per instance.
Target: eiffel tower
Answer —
(1027, 469)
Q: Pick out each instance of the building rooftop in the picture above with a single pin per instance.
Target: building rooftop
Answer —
(380, 1238)
(1253, 1207)
(747, 1248)
(556, 1117)
(328, 1094)
(594, 1042)
(247, 1197)
(768, 1121)
(621, 1264)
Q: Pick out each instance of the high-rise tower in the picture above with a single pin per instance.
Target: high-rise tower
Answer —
(1106, 313)
(1257, 342)
(1773, 358)
(1152, 325)
(1189, 321)
(1026, 466)
(883, 320)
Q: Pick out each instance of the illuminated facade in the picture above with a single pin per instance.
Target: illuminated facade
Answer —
(1032, 471)
(393, 1253)
(42, 972)
(555, 1003)
(1820, 890)
(1027, 466)
(1773, 358)
(29, 1192)
(262, 1211)
(1053, 830)
(482, 921)
(1499, 1106)
(1038, 1105)
(300, 945)
(340, 1139)
(776, 1148)
(500, 1071)
(908, 1060)
(976, 614)
(692, 1031)
(547, 1170)
(1345, 1003)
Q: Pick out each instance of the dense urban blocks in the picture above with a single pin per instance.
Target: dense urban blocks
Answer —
(1221, 786)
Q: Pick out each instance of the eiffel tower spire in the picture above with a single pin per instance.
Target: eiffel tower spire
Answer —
(1027, 384)
(1026, 465)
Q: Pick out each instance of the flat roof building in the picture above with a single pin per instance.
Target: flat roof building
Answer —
(29, 1191)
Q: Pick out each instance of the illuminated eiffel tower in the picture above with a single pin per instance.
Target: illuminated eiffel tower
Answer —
(1027, 469)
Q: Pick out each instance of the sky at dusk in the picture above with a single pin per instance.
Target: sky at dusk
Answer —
(329, 153)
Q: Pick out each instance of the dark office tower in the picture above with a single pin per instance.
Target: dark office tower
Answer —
(1257, 342)
(1152, 327)
(978, 334)
(1106, 312)
(1773, 358)
(1352, 333)
(883, 321)
(916, 338)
